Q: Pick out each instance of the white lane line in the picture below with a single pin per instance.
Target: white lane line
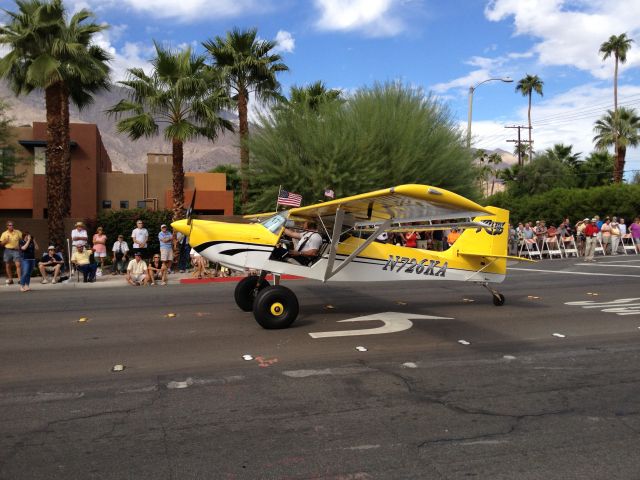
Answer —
(618, 260)
(598, 264)
(556, 272)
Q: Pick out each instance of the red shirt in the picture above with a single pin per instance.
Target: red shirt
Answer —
(591, 230)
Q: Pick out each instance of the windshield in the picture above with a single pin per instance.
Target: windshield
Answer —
(275, 223)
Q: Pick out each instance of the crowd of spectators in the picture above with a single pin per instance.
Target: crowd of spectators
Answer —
(611, 235)
(137, 264)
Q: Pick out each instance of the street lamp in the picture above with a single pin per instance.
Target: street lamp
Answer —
(471, 90)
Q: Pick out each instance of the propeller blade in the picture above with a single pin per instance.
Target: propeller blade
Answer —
(191, 207)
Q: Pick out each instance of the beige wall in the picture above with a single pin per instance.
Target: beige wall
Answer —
(117, 186)
(159, 176)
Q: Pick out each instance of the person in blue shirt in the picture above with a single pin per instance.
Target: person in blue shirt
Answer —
(165, 237)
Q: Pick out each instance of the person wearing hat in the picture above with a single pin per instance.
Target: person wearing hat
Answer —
(78, 236)
(165, 238)
(50, 262)
(591, 235)
(82, 260)
(137, 270)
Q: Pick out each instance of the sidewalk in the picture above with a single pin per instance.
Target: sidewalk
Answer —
(114, 281)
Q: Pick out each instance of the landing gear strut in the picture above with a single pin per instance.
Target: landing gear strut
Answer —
(498, 298)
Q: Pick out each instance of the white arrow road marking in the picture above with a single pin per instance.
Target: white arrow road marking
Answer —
(393, 322)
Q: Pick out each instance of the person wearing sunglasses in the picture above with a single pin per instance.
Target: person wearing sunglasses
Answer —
(157, 270)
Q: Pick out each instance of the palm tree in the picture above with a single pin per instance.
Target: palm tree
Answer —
(249, 66)
(47, 52)
(620, 130)
(185, 96)
(564, 154)
(618, 46)
(528, 85)
(313, 96)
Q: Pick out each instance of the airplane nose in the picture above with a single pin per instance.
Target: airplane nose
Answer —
(181, 226)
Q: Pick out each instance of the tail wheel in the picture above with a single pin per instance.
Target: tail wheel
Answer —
(247, 290)
(498, 299)
(275, 307)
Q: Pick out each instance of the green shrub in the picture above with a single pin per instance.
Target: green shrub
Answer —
(122, 222)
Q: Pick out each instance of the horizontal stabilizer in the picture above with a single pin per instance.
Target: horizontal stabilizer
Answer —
(490, 255)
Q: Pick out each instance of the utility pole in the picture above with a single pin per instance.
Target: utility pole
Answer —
(519, 142)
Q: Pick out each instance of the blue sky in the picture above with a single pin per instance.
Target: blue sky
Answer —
(441, 46)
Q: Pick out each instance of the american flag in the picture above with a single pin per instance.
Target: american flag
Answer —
(289, 198)
(329, 193)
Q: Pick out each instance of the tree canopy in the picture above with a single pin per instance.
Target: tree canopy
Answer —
(381, 136)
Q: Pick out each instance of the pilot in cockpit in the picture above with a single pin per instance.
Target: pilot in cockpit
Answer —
(309, 243)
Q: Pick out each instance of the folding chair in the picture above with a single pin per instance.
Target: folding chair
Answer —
(569, 246)
(551, 247)
(531, 247)
(627, 244)
(600, 248)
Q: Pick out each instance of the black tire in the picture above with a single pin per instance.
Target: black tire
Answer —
(275, 307)
(498, 299)
(246, 291)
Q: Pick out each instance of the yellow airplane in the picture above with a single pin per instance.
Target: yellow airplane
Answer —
(349, 252)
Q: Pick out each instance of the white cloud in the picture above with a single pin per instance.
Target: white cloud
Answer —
(571, 32)
(286, 42)
(131, 55)
(183, 10)
(486, 68)
(565, 118)
(373, 17)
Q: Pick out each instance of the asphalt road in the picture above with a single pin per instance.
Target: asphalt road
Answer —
(535, 389)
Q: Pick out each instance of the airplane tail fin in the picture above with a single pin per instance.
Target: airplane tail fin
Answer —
(489, 241)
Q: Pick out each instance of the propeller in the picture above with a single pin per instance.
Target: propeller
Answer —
(191, 207)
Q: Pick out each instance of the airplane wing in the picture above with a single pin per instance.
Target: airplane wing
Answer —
(383, 208)
(404, 203)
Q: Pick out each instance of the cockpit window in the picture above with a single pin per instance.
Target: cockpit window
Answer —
(275, 223)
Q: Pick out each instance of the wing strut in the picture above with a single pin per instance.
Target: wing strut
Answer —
(337, 229)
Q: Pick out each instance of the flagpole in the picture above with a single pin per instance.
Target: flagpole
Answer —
(278, 197)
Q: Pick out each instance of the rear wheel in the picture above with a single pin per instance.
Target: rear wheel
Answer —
(498, 299)
(275, 307)
(246, 291)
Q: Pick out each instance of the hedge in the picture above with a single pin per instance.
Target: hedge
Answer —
(576, 203)
(122, 222)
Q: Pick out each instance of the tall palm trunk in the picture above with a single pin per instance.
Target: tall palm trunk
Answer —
(619, 166)
(178, 179)
(244, 151)
(530, 143)
(66, 148)
(621, 153)
(57, 192)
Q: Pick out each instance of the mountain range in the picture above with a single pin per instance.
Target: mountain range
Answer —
(127, 155)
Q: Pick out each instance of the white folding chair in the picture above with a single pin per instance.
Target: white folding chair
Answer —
(627, 244)
(551, 247)
(599, 248)
(530, 246)
(569, 246)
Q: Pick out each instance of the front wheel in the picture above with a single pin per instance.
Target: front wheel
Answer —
(275, 307)
(246, 291)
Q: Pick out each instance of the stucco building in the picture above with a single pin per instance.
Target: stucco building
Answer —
(95, 187)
